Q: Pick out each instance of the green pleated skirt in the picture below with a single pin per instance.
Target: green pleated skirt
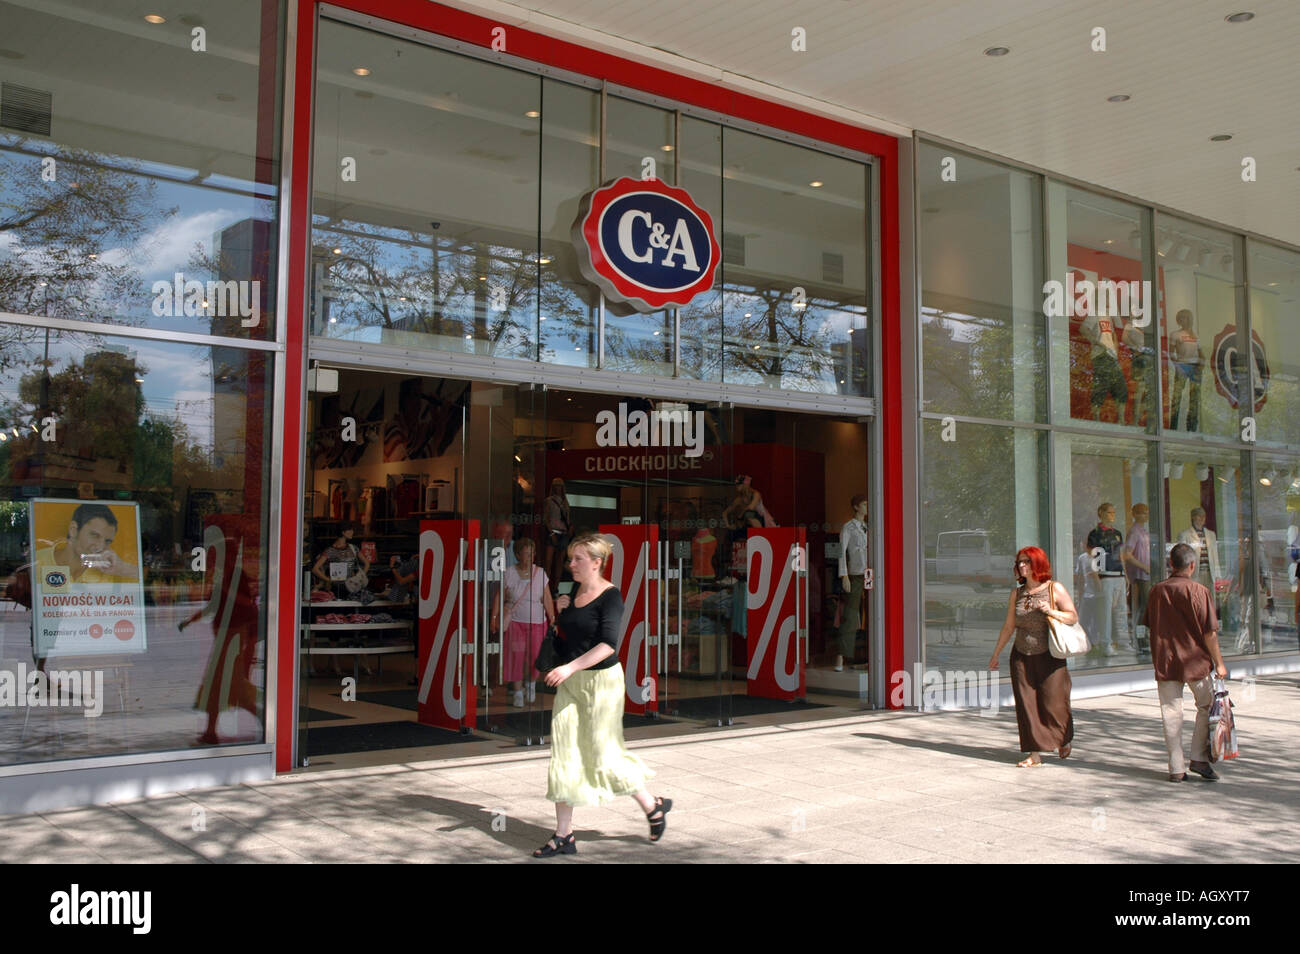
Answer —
(590, 764)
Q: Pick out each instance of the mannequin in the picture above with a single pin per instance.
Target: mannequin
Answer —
(853, 576)
(1108, 379)
(1186, 350)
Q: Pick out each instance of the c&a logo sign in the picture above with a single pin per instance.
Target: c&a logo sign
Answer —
(646, 243)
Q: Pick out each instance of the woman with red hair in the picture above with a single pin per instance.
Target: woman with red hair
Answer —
(1041, 681)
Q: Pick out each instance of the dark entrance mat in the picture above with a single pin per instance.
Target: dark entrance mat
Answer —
(320, 715)
(396, 698)
(521, 722)
(711, 707)
(339, 739)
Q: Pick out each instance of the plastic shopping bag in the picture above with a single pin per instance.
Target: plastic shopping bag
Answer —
(1223, 729)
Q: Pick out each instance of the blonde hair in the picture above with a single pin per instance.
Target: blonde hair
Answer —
(597, 547)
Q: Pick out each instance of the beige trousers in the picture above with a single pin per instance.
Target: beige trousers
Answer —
(1171, 711)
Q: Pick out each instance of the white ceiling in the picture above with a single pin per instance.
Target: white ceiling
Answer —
(920, 64)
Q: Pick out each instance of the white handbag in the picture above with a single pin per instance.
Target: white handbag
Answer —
(1065, 641)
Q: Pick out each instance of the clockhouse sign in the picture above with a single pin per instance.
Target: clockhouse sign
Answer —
(647, 243)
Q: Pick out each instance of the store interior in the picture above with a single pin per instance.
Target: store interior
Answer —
(389, 452)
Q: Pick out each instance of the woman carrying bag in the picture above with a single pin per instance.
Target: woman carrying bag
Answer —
(590, 764)
(1040, 680)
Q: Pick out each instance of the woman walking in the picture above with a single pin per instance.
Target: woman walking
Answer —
(528, 608)
(589, 763)
(1041, 682)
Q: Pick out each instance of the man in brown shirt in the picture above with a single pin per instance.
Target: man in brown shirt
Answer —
(1184, 630)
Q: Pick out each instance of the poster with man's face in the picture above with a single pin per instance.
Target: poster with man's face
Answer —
(87, 582)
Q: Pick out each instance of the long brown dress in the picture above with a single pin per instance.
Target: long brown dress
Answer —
(1040, 681)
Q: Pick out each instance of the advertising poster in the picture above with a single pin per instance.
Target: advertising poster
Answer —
(446, 697)
(777, 605)
(634, 572)
(87, 587)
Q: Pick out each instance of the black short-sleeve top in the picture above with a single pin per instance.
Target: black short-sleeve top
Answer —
(581, 628)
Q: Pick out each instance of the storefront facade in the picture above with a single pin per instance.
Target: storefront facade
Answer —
(357, 300)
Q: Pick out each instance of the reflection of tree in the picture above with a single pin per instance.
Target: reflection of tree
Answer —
(375, 277)
(780, 340)
(968, 486)
(55, 234)
(970, 362)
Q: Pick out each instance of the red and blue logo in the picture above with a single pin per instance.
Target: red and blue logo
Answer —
(646, 243)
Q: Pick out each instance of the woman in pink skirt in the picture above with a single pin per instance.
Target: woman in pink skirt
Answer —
(528, 608)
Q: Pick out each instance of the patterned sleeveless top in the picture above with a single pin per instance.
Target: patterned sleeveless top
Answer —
(1031, 624)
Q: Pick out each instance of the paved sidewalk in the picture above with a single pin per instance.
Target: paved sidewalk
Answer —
(883, 787)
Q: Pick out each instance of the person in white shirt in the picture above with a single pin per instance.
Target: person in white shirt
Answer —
(1206, 544)
(1108, 380)
(528, 608)
(853, 576)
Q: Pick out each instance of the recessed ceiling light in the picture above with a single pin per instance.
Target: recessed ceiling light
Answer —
(338, 251)
(154, 18)
(532, 114)
(1272, 284)
(1221, 137)
(401, 298)
(817, 183)
(656, 333)
(997, 51)
(1118, 98)
(361, 71)
(748, 315)
(482, 278)
(1240, 17)
(666, 148)
(469, 337)
(543, 261)
(1266, 482)
(1109, 242)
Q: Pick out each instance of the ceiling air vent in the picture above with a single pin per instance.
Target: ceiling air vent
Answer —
(733, 248)
(25, 109)
(832, 268)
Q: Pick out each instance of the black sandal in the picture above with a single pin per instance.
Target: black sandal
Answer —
(557, 845)
(657, 825)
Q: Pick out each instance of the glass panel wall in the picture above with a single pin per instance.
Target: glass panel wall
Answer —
(1200, 273)
(984, 497)
(640, 141)
(446, 189)
(1100, 312)
(981, 302)
(795, 281)
(1123, 285)
(1207, 501)
(1103, 535)
(1274, 322)
(425, 198)
(1277, 496)
(132, 483)
(140, 197)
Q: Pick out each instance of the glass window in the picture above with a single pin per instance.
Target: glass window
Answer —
(1274, 321)
(984, 497)
(982, 327)
(1104, 550)
(700, 166)
(1277, 493)
(1204, 370)
(424, 213)
(142, 197)
(1100, 306)
(570, 305)
(639, 141)
(1207, 503)
(794, 266)
(132, 482)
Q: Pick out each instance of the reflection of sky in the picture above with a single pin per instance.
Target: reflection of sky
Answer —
(177, 378)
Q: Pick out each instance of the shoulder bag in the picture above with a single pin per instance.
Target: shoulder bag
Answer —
(548, 657)
(1065, 641)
